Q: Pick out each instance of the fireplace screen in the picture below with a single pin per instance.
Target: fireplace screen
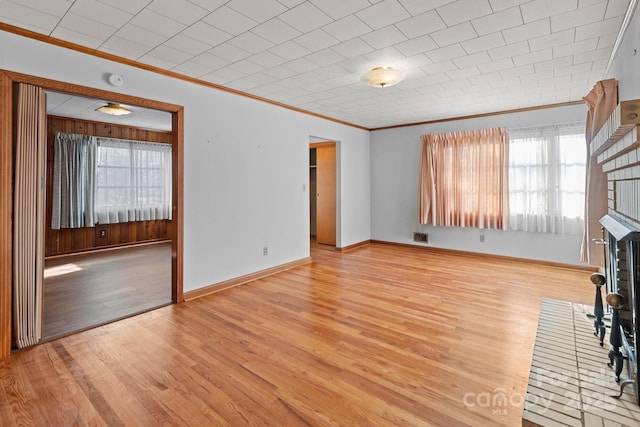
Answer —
(623, 282)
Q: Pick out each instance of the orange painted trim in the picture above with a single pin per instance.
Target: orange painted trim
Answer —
(6, 202)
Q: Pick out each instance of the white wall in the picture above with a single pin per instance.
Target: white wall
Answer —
(626, 63)
(246, 165)
(395, 170)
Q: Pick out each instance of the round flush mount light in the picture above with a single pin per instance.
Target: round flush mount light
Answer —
(115, 80)
(114, 109)
(383, 77)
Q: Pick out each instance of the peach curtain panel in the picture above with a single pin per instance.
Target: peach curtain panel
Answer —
(464, 179)
(601, 101)
(28, 233)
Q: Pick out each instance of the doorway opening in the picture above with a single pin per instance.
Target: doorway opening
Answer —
(8, 83)
(121, 265)
(322, 193)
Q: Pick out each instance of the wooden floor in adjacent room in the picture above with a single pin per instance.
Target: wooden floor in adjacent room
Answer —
(89, 289)
(382, 335)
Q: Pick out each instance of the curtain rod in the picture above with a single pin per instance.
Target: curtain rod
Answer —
(547, 126)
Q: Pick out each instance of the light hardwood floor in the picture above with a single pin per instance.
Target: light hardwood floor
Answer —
(382, 335)
(85, 290)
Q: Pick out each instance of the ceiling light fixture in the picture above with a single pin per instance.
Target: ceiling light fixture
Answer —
(113, 109)
(383, 77)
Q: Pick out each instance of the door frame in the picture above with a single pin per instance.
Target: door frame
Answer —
(7, 79)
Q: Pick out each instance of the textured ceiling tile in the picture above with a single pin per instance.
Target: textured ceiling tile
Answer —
(130, 6)
(229, 21)
(192, 68)
(207, 34)
(445, 53)
(384, 37)
(347, 28)
(187, 44)
(508, 18)
(276, 31)
(509, 50)
(258, 11)
(209, 5)
(464, 10)
(575, 48)
(539, 9)
(352, 48)
(498, 5)
(315, 40)
(464, 73)
(471, 60)
(305, 17)
(383, 14)
(51, 7)
(551, 40)
(527, 31)
(124, 47)
(337, 9)
(181, 10)
(606, 27)
(487, 42)
(290, 50)
(416, 7)
(157, 23)
(576, 18)
(100, 12)
(210, 61)
(26, 17)
(229, 52)
(453, 35)
(616, 8)
(267, 59)
(417, 45)
(424, 23)
(250, 42)
(325, 57)
(139, 35)
(88, 27)
(73, 36)
(533, 57)
(499, 65)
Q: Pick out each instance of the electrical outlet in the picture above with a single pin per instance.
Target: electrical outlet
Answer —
(482, 237)
(265, 250)
(420, 237)
(102, 233)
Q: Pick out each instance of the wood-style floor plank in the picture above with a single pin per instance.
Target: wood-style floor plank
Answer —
(90, 289)
(382, 335)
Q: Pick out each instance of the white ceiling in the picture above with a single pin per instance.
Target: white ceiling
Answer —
(461, 57)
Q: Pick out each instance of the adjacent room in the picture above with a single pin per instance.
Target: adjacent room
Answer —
(358, 213)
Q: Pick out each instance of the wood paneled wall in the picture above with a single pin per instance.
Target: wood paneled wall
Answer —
(69, 240)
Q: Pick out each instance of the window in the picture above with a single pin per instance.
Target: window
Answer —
(464, 179)
(547, 167)
(133, 181)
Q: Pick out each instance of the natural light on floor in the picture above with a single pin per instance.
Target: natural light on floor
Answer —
(60, 270)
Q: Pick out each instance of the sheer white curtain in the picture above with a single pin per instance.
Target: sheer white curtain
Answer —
(74, 169)
(133, 181)
(546, 179)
